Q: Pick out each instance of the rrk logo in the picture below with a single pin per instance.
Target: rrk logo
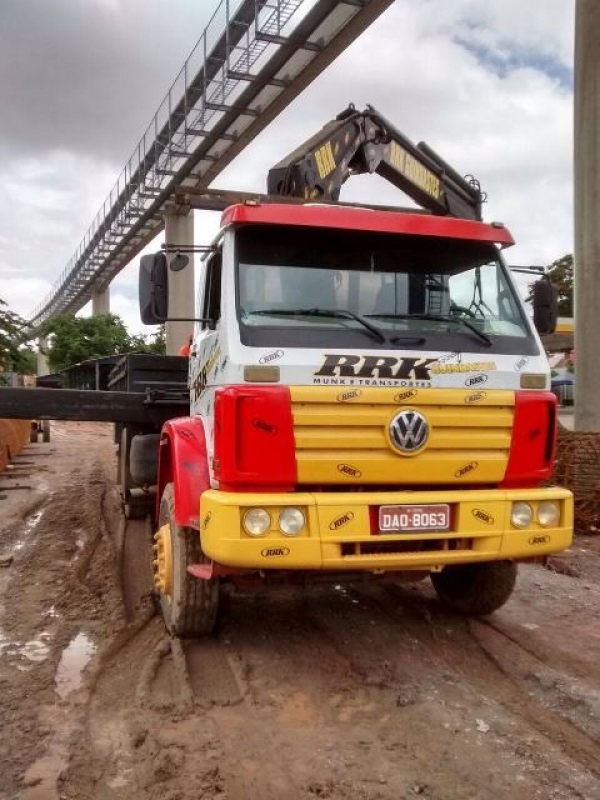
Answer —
(476, 380)
(351, 472)
(460, 473)
(274, 551)
(479, 513)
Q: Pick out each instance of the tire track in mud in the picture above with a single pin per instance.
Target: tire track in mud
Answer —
(463, 657)
(365, 705)
(60, 598)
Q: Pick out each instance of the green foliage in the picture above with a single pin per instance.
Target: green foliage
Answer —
(156, 345)
(561, 275)
(14, 357)
(74, 339)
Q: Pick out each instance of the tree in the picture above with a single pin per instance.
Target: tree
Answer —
(74, 339)
(156, 345)
(560, 273)
(14, 356)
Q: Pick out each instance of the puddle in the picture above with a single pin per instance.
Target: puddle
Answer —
(29, 526)
(79, 544)
(73, 661)
(35, 650)
(33, 521)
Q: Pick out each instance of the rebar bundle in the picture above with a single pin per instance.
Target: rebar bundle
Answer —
(577, 468)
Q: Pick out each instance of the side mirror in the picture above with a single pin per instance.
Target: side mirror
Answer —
(154, 289)
(545, 306)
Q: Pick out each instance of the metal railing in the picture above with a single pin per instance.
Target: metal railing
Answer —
(241, 66)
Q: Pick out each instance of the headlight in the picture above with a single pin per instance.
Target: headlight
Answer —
(256, 521)
(291, 521)
(548, 513)
(521, 515)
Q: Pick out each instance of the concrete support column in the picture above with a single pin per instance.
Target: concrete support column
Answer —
(42, 359)
(101, 302)
(587, 215)
(179, 231)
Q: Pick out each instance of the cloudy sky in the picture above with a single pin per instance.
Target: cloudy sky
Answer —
(487, 83)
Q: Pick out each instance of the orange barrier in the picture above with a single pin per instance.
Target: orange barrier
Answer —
(14, 435)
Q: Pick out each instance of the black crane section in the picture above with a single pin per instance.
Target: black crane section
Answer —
(358, 142)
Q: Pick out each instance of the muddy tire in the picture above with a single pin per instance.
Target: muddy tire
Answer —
(190, 607)
(46, 430)
(131, 508)
(475, 589)
(33, 434)
(143, 459)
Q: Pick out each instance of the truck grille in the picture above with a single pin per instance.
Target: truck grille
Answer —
(342, 436)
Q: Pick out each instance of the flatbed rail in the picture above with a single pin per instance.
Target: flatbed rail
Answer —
(84, 405)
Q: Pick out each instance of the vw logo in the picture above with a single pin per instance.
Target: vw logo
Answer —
(409, 431)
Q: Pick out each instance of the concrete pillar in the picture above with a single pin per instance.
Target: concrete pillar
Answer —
(179, 231)
(587, 215)
(101, 302)
(42, 359)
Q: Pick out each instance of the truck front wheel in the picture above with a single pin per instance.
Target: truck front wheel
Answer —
(189, 605)
(475, 589)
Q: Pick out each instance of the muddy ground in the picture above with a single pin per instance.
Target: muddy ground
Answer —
(364, 691)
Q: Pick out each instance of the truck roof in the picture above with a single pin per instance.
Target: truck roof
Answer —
(365, 219)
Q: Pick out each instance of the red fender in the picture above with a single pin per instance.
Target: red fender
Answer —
(183, 461)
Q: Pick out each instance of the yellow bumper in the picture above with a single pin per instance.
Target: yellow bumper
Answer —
(337, 534)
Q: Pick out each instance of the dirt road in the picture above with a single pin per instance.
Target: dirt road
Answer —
(364, 691)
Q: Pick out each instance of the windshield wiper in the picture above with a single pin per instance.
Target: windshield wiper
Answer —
(338, 313)
(443, 318)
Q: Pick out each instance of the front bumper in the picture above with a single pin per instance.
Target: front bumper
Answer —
(338, 533)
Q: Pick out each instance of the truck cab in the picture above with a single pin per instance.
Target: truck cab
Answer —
(367, 396)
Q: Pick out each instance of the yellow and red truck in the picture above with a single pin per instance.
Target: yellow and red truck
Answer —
(367, 394)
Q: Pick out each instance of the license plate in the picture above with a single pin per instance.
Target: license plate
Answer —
(435, 517)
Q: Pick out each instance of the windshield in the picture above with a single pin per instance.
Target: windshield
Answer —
(306, 288)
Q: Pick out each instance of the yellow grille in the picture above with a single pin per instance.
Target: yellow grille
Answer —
(342, 436)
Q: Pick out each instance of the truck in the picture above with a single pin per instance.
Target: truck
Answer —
(367, 396)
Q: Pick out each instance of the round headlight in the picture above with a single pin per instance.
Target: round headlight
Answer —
(548, 513)
(256, 521)
(291, 521)
(521, 515)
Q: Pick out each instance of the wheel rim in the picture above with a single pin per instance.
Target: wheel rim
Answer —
(163, 561)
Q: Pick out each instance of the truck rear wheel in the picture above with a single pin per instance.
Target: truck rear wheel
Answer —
(189, 605)
(475, 589)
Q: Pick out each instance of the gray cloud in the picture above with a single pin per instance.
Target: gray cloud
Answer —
(86, 76)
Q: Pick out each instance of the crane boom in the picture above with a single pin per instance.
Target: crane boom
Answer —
(358, 142)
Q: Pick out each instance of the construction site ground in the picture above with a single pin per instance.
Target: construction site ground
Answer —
(366, 690)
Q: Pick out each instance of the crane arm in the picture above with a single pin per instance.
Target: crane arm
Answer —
(358, 142)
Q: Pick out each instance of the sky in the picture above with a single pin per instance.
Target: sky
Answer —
(487, 83)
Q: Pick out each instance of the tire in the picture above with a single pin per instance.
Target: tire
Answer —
(131, 510)
(190, 608)
(475, 589)
(143, 459)
(33, 433)
(46, 430)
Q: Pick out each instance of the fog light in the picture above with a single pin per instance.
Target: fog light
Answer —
(256, 521)
(548, 513)
(521, 515)
(291, 521)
